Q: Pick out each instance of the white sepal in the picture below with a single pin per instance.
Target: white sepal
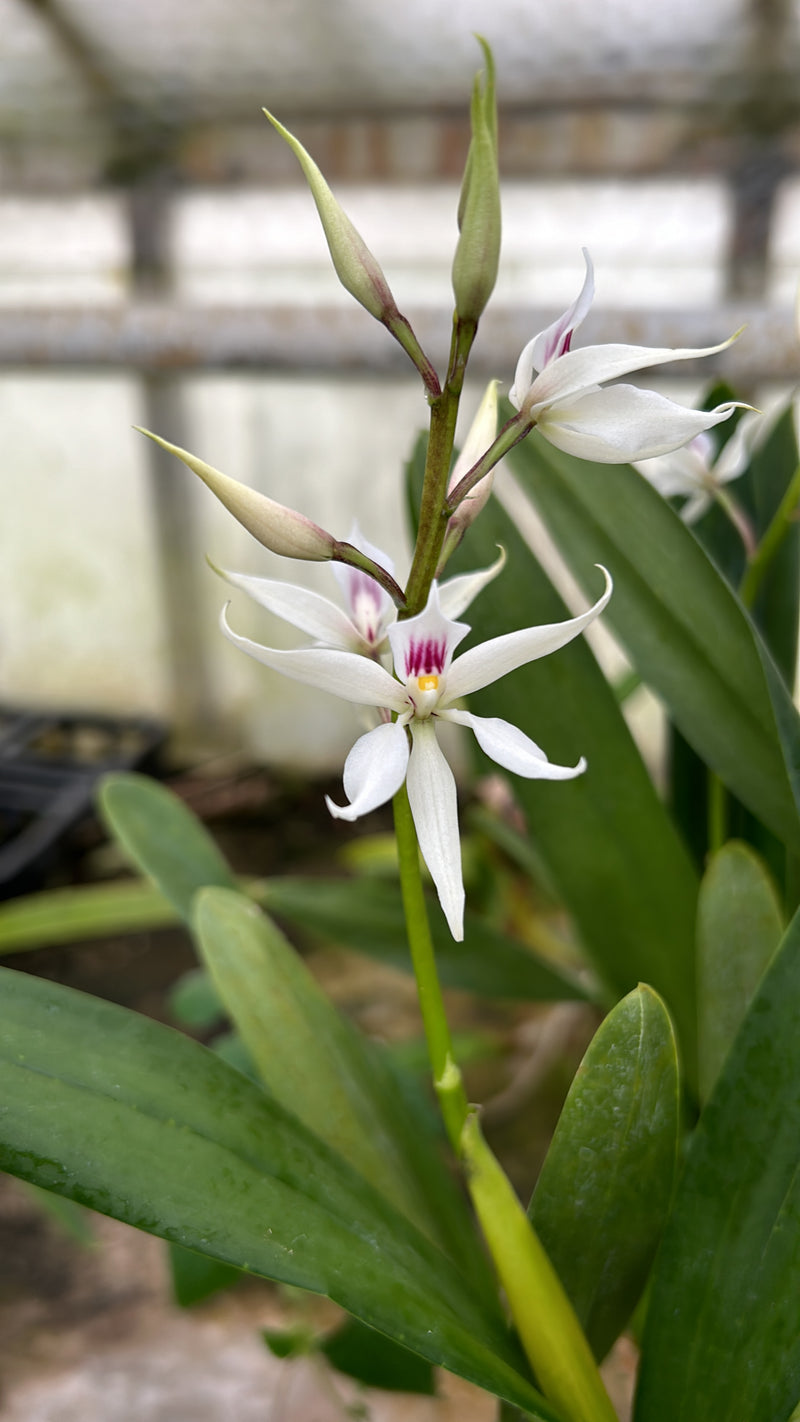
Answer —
(304, 609)
(345, 674)
(373, 772)
(624, 423)
(482, 665)
(432, 797)
(511, 748)
(554, 341)
(457, 594)
(578, 371)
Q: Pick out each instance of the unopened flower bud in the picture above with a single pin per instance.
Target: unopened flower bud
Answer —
(481, 436)
(478, 251)
(356, 268)
(282, 530)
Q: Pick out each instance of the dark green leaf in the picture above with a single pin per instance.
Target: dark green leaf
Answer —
(682, 626)
(608, 843)
(721, 1338)
(367, 915)
(374, 1360)
(163, 838)
(196, 1277)
(604, 1191)
(289, 1342)
(739, 926)
(131, 1118)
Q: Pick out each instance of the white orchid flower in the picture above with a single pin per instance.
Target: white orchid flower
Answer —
(426, 685)
(695, 474)
(562, 391)
(363, 624)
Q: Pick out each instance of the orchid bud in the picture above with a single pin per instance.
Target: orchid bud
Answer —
(478, 251)
(280, 529)
(481, 436)
(355, 266)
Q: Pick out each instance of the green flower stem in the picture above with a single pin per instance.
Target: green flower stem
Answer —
(736, 515)
(433, 513)
(446, 1076)
(772, 540)
(403, 333)
(512, 432)
(354, 558)
(544, 1317)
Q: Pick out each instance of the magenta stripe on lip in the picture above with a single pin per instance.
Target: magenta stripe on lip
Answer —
(426, 658)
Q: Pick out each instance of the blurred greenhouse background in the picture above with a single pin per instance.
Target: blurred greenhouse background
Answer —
(161, 263)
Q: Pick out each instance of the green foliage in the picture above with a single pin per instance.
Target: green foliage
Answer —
(739, 926)
(376, 1361)
(721, 1337)
(604, 1191)
(683, 627)
(128, 1117)
(606, 839)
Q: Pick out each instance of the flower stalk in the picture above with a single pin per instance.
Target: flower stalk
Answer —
(446, 1076)
(784, 516)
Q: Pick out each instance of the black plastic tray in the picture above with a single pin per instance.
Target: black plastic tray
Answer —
(50, 763)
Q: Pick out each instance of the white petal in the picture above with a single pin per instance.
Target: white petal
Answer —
(481, 435)
(734, 458)
(456, 595)
(373, 772)
(370, 607)
(554, 341)
(591, 365)
(512, 749)
(484, 664)
(696, 507)
(345, 674)
(523, 375)
(432, 796)
(425, 642)
(624, 423)
(307, 610)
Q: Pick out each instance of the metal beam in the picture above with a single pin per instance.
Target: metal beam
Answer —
(163, 335)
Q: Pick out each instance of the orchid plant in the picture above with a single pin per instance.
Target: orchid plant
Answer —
(668, 1202)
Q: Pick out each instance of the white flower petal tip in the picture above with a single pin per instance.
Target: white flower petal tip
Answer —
(561, 391)
(457, 594)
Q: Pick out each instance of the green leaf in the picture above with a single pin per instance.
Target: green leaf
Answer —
(376, 1361)
(194, 1001)
(130, 1118)
(684, 629)
(739, 926)
(721, 1338)
(163, 838)
(316, 1065)
(72, 915)
(196, 1277)
(605, 1187)
(608, 843)
(367, 915)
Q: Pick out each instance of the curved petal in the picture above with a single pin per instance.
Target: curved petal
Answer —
(624, 423)
(512, 749)
(555, 340)
(456, 595)
(432, 796)
(345, 674)
(591, 365)
(484, 664)
(373, 772)
(304, 609)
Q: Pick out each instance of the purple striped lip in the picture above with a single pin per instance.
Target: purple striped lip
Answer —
(426, 657)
